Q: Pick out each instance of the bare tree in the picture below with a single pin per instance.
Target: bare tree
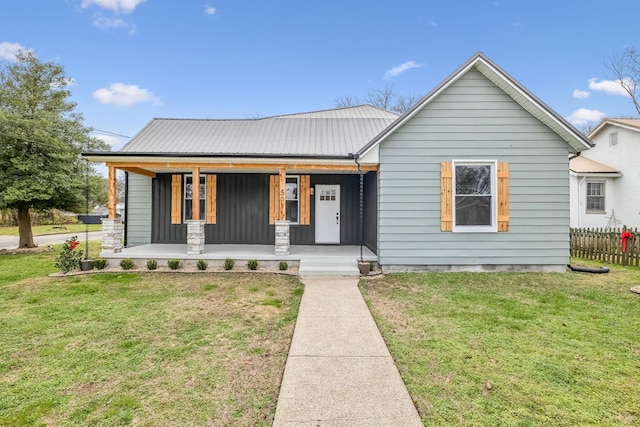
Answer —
(385, 98)
(626, 71)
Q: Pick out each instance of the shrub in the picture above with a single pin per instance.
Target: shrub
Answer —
(283, 265)
(69, 259)
(99, 263)
(152, 264)
(252, 264)
(126, 264)
(202, 264)
(174, 264)
(229, 263)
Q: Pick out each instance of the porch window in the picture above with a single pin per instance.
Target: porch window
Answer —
(188, 196)
(292, 198)
(595, 197)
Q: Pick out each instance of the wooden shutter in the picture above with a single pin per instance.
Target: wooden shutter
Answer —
(211, 211)
(274, 200)
(305, 200)
(446, 196)
(176, 199)
(503, 196)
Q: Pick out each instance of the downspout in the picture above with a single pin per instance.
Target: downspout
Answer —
(580, 200)
(361, 207)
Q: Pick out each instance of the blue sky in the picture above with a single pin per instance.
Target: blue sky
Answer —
(133, 60)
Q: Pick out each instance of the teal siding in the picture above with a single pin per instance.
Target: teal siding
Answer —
(138, 210)
(473, 119)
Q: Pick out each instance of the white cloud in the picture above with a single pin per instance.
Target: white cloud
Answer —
(401, 69)
(123, 95)
(9, 50)
(584, 116)
(581, 94)
(611, 87)
(107, 139)
(106, 23)
(209, 11)
(126, 6)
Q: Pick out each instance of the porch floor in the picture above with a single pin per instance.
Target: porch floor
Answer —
(242, 252)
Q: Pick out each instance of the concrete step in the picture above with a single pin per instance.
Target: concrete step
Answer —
(328, 266)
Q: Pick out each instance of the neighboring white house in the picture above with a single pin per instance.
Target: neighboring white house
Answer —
(605, 180)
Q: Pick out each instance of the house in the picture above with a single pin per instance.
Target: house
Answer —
(365, 175)
(604, 181)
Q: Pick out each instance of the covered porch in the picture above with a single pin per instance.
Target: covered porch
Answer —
(241, 202)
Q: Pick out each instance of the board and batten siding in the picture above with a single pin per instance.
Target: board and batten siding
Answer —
(473, 119)
(243, 211)
(138, 210)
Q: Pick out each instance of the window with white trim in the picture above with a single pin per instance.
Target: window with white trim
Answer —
(475, 195)
(292, 196)
(595, 197)
(188, 196)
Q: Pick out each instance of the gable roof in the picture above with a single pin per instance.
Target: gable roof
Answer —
(631, 124)
(511, 87)
(328, 133)
(583, 165)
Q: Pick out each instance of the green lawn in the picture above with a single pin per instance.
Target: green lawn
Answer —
(515, 349)
(39, 230)
(143, 349)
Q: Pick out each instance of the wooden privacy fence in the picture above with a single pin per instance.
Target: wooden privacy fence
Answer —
(606, 245)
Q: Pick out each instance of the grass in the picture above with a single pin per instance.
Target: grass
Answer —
(39, 230)
(522, 349)
(144, 349)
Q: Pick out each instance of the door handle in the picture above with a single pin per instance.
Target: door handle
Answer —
(337, 217)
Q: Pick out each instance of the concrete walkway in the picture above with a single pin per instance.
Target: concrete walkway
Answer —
(339, 371)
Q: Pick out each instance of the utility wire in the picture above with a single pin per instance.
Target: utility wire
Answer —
(111, 133)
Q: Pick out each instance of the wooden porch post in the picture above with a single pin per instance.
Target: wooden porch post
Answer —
(111, 194)
(195, 200)
(283, 193)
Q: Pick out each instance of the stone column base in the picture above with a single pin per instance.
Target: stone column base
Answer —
(112, 235)
(283, 232)
(195, 237)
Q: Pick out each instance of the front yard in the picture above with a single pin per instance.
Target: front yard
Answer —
(144, 349)
(209, 349)
(515, 349)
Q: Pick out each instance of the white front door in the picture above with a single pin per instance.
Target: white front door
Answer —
(327, 213)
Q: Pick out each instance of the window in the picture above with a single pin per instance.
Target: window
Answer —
(613, 139)
(188, 196)
(474, 196)
(595, 197)
(292, 198)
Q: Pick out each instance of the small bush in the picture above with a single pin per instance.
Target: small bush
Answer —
(152, 264)
(126, 264)
(252, 264)
(229, 263)
(202, 264)
(174, 264)
(99, 263)
(69, 258)
(283, 265)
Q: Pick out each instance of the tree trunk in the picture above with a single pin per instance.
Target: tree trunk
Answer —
(24, 228)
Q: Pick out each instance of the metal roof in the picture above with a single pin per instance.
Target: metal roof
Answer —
(336, 132)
